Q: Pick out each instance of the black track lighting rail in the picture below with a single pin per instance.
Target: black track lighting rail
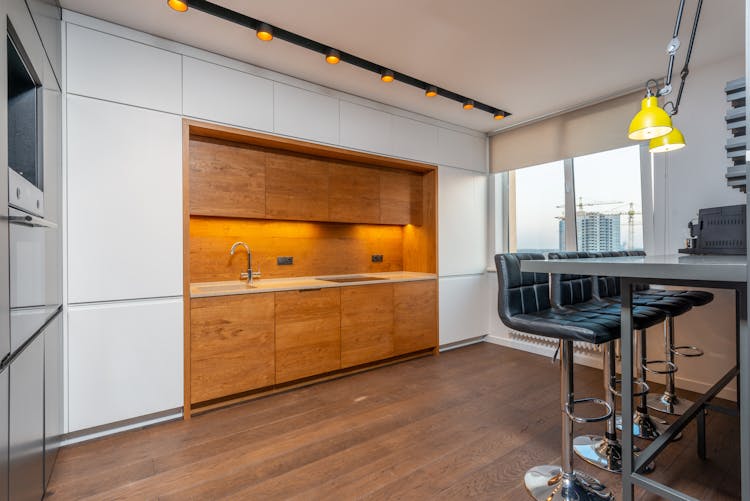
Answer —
(293, 38)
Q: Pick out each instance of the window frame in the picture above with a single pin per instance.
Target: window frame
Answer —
(502, 206)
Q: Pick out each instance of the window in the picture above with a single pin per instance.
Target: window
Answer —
(603, 197)
(537, 207)
(608, 200)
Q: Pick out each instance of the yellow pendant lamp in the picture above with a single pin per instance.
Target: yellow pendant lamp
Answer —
(650, 122)
(668, 142)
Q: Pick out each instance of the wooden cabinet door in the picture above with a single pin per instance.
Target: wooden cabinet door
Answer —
(354, 194)
(296, 188)
(227, 179)
(308, 333)
(415, 316)
(366, 324)
(231, 345)
(400, 198)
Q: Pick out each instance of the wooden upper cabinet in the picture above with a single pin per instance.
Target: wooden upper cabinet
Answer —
(354, 194)
(308, 333)
(296, 187)
(415, 316)
(231, 345)
(366, 324)
(400, 198)
(227, 179)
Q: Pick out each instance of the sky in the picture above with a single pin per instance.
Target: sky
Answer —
(611, 176)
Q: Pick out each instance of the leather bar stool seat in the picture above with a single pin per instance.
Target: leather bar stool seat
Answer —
(570, 314)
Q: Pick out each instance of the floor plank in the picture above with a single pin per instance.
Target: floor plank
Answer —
(465, 424)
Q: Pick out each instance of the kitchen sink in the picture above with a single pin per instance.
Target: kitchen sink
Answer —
(356, 278)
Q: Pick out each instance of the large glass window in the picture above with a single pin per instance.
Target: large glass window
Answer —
(608, 200)
(604, 189)
(537, 208)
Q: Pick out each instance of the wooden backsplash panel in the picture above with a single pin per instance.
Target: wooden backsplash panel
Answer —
(317, 248)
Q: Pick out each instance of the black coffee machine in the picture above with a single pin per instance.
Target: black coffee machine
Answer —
(719, 230)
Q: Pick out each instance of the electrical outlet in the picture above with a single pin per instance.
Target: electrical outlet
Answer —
(377, 258)
(284, 260)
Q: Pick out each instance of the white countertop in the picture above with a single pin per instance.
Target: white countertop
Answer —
(669, 267)
(231, 287)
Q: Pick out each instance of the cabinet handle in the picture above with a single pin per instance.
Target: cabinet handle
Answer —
(310, 290)
(33, 221)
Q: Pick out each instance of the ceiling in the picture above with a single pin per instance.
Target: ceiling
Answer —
(530, 57)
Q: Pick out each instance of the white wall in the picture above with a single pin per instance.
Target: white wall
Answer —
(121, 86)
(683, 181)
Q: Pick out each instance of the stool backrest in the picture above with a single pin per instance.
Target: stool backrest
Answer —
(610, 286)
(519, 292)
(571, 289)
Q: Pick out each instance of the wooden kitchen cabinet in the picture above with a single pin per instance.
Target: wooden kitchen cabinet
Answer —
(414, 316)
(400, 198)
(308, 333)
(354, 194)
(231, 345)
(296, 188)
(227, 179)
(366, 324)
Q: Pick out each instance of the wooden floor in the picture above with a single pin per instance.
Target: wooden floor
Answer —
(466, 424)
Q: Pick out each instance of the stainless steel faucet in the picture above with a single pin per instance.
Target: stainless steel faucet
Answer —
(249, 274)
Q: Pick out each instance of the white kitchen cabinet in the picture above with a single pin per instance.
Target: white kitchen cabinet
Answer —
(124, 361)
(462, 221)
(124, 202)
(113, 68)
(305, 115)
(463, 308)
(414, 140)
(466, 151)
(364, 128)
(220, 94)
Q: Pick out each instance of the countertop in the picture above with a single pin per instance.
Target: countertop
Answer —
(668, 267)
(232, 287)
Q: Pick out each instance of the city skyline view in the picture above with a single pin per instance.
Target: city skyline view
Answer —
(607, 187)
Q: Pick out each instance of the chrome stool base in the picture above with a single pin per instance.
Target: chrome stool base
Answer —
(548, 483)
(603, 453)
(669, 404)
(647, 427)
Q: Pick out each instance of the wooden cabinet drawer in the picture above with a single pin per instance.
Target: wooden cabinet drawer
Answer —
(308, 333)
(231, 345)
(415, 316)
(366, 324)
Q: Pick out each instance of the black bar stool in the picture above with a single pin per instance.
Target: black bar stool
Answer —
(602, 451)
(668, 402)
(524, 304)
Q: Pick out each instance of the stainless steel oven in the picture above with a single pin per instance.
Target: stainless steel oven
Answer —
(26, 180)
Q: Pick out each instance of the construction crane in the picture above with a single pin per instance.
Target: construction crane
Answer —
(581, 205)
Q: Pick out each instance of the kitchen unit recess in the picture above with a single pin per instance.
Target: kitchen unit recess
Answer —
(332, 210)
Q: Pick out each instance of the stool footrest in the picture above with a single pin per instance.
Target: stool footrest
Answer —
(642, 385)
(669, 367)
(595, 419)
(687, 351)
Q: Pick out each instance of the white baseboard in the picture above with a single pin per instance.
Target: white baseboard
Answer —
(595, 360)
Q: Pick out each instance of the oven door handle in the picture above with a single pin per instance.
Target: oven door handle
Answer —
(33, 221)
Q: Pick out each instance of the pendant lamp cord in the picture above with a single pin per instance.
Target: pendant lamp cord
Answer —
(685, 69)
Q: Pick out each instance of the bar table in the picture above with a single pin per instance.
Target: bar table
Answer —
(716, 272)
